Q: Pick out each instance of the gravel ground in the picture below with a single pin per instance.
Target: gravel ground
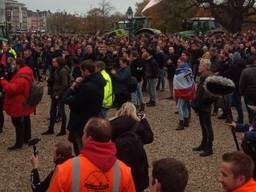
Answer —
(203, 172)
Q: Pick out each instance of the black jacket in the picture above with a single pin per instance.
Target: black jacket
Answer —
(203, 100)
(121, 81)
(151, 68)
(171, 67)
(137, 69)
(124, 124)
(30, 62)
(225, 68)
(37, 185)
(215, 64)
(237, 67)
(160, 59)
(247, 84)
(42, 186)
(84, 102)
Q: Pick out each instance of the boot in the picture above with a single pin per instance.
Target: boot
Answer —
(186, 122)
(61, 133)
(199, 148)
(151, 104)
(180, 126)
(48, 132)
(14, 147)
(142, 107)
(206, 153)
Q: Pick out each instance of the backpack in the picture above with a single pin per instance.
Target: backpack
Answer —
(36, 92)
(130, 148)
(132, 85)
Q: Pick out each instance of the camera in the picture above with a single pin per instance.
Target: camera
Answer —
(141, 114)
(33, 143)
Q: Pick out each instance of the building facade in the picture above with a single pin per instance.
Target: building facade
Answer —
(2, 11)
(16, 15)
(37, 21)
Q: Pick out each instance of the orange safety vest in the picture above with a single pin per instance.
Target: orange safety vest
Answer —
(250, 186)
(81, 175)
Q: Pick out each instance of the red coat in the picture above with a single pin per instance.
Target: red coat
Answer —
(16, 91)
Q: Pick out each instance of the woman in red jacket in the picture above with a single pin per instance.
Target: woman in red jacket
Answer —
(16, 92)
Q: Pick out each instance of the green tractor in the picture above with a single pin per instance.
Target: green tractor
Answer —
(134, 25)
(201, 26)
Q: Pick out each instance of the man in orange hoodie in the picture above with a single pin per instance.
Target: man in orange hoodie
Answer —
(96, 168)
(237, 173)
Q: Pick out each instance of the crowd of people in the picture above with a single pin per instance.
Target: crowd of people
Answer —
(90, 74)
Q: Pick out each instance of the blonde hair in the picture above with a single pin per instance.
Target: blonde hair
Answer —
(206, 62)
(128, 109)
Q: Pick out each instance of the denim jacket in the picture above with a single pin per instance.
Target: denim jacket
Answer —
(250, 132)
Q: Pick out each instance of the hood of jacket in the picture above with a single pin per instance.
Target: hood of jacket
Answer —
(102, 155)
(65, 69)
(25, 71)
(218, 86)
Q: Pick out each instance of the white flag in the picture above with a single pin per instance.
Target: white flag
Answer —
(151, 3)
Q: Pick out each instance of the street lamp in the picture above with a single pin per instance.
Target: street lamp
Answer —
(129, 15)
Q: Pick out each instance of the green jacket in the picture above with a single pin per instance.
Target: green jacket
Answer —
(59, 82)
(108, 91)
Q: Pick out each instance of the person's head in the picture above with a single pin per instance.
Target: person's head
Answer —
(79, 51)
(213, 51)
(251, 60)
(63, 151)
(204, 66)
(180, 61)
(169, 175)
(19, 63)
(74, 61)
(4, 47)
(27, 52)
(134, 55)
(97, 129)
(171, 50)
(158, 48)
(128, 109)
(89, 49)
(224, 54)
(87, 68)
(147, 53)
(100, 65)
(52, 49)
(236, 169)
(58, 62)
(185, 56)
(123, 62)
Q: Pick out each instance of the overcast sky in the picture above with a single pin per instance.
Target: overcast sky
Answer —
(78, 6)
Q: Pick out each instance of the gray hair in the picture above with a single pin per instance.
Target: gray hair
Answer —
(206, 62)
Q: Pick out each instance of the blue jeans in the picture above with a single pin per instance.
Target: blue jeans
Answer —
(250, 101)
(236, 101)
(161, 80)
(152, 89)
(103, 112)
(183, 109)
(55, 106)
(137, 96)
